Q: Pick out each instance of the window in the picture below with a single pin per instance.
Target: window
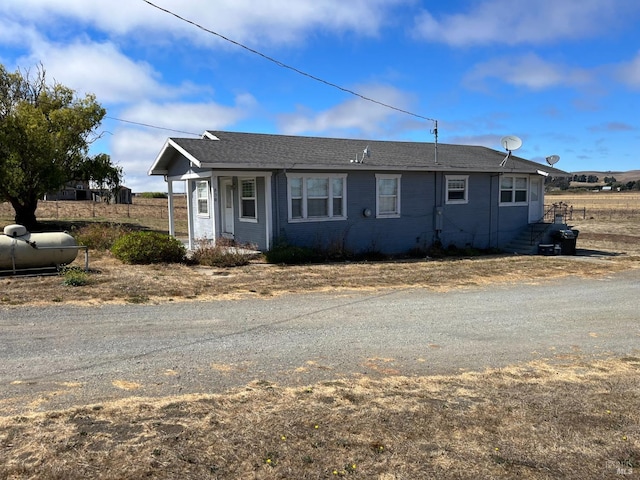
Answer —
(457, 188)
(317, 197)
(388, 195)
(513, 189)
(248, 207)
(202, 196)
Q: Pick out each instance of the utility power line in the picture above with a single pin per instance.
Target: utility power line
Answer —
(289, 67)
(151, 126)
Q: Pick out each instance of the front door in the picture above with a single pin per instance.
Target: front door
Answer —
(227, 207)
(535, 199)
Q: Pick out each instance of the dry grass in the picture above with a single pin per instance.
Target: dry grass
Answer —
(541, 420)
(112, 282)
(570, 418)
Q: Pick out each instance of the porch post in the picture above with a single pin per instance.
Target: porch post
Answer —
(189, 191)
(215, 207)
(268, 211)
(172, 230)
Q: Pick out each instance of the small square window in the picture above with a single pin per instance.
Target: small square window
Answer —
(513, 190)
(457, 188)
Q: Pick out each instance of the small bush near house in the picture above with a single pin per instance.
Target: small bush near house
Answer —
(152, 195)
(74, 276)
(148, 247)
(223, 254)
(100, 236)
(292, 255)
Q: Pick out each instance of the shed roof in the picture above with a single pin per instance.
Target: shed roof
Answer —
(219, 149)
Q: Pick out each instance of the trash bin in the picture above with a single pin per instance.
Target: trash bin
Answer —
(567, 241)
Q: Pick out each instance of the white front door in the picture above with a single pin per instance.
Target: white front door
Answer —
(227, 207)
(535, 199)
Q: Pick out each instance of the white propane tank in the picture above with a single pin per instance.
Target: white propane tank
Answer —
(20, 249)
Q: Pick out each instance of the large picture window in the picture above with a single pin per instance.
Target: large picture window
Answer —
(248, 199)
(317, 197)
(457, 189)
(387, 196)
(513, 190)
(202, 196)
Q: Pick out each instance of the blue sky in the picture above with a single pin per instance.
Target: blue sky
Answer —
(564, 75)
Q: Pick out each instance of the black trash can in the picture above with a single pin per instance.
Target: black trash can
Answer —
(567, 241)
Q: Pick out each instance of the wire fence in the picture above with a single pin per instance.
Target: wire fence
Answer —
(141, 208)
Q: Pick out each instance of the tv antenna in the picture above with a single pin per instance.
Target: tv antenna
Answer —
(365, 153)
(553, 159)
(509, 143)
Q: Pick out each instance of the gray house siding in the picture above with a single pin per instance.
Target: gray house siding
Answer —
(468, 224)
(479, 223)
(202, 224)
(510, 222)
(359, 233)
(248, 232)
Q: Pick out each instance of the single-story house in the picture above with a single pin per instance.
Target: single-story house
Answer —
(80, 190)
(357, 195)
(74, 190)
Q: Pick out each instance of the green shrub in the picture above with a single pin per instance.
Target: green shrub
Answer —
(148, 247)
(100, 236)
(222, 254)
(74, 276)
(292, 255)
(152, 195)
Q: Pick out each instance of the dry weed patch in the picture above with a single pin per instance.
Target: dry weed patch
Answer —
(540, 420)
(111, 281)
(611, 244)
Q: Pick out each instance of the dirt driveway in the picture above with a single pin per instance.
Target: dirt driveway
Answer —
(58, 356)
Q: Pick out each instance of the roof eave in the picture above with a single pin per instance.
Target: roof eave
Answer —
(159, 165)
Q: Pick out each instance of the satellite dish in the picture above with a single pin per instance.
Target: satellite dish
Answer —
(510, 143)
(553, 159)
(367, 152)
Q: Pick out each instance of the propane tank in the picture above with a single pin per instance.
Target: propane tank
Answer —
(21, 249)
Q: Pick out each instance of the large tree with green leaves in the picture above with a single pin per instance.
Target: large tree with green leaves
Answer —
(45, 135)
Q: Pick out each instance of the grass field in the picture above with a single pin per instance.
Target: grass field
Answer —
(562, 417)
(150, 213)
(601, 205)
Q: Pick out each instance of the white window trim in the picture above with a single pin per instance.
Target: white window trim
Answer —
(200, 214)
(513, 190)
(241, 216)
(459, 201)
(384, 176)
(304, 177)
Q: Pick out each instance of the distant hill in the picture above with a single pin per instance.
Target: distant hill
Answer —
(622, 177)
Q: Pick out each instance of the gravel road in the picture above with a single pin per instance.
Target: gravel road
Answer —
(61, 356)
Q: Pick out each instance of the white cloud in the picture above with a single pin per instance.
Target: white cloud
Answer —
(629, 73)
(99, 68)
(529, 22)
(528, 71)
(191, 117)
(135, 148)
(354, 117)
(276, 21)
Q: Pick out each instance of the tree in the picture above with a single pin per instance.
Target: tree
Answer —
(45, 134)
(101, 173)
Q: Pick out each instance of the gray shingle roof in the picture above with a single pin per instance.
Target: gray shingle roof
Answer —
(267, 151)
